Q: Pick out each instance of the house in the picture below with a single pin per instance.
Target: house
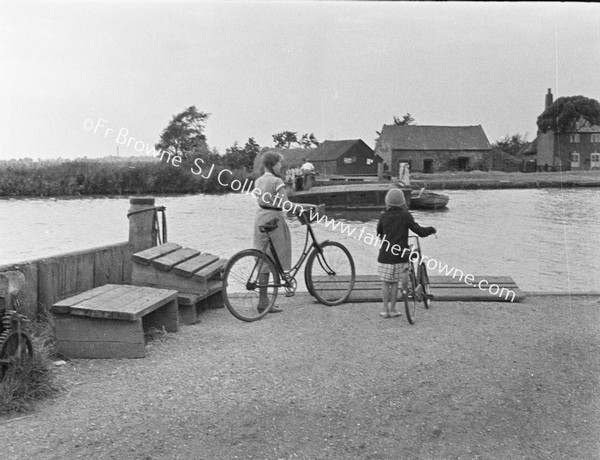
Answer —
(292, 158)
(578, 149)
(346, 157)
(528, 154)
(431, 149)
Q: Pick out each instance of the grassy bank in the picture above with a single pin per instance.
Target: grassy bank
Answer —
(89, 177)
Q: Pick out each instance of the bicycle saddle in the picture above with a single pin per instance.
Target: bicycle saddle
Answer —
(268, 226)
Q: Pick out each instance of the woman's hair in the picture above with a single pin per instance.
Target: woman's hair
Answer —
(270, 159)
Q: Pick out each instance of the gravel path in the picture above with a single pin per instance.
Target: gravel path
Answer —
(468, 381)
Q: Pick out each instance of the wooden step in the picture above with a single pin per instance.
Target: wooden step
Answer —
(194, 264)
(168, 261)
(212, 271)
(147, 256)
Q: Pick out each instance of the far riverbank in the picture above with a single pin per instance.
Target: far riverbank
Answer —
(488, 180)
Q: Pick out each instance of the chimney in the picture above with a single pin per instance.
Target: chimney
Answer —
(549, 99)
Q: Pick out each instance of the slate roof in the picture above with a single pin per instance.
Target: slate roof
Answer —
(416, 137)
(332, 150)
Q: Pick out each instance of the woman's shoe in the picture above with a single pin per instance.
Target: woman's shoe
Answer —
(395, 314)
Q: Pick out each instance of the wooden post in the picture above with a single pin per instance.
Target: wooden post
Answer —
(141, 224)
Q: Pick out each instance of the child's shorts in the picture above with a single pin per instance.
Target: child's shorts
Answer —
(392, 273)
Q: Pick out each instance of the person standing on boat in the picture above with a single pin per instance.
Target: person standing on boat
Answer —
(270, 201)
(393, 226)
(404, 175)
(307, 173)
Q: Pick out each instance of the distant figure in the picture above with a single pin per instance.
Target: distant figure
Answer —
(307, 172)
(298, 179)
(404, 175)
(393, 226)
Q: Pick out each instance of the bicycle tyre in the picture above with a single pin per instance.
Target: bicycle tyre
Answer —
(326, 288)
(16, 350)
(410, 301)
(424, 281)
(240, 279)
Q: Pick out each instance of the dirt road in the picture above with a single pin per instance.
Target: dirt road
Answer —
(468, 381)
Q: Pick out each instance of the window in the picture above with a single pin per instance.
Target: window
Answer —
(574, 160)
(595, 160)
(574, 138)
(349, 160)
(596, 138)
(369, 161)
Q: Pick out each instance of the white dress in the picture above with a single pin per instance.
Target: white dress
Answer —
(271, 196)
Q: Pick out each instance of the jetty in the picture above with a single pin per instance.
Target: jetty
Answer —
(105, 300)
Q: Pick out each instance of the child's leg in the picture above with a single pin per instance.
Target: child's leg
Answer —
(393, 297)
(385, 293)
(263, 297)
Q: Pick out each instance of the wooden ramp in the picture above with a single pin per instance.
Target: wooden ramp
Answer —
(367, 288)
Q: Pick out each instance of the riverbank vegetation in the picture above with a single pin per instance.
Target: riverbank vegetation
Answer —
(123, 177)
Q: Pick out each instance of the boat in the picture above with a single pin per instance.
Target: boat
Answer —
(425, 199)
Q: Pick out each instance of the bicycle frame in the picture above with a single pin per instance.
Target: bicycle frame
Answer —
(291, 274)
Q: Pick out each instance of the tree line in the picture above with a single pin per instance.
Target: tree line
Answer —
(184, 138)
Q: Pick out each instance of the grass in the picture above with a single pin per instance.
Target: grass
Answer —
(32, 380)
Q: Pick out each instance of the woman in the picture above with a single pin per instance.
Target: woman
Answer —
(273, 195)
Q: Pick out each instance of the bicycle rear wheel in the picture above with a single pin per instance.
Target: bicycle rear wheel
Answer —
(330, 273)
(410, 300)
(250, 283)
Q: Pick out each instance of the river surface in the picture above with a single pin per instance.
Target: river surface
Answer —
(546, 239)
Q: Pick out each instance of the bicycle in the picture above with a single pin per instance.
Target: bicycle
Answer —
(419, 289)
(329, 273)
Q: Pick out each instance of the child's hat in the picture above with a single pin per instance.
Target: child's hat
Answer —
(395, 197)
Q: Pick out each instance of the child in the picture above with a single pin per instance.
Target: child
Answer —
(392, 228)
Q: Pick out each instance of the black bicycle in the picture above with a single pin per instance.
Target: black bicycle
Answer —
(252, 278)
(419, 289)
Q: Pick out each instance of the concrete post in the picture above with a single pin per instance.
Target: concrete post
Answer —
(141, 224)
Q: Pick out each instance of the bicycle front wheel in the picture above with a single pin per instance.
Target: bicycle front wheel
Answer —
(250, 283)
(410, 298)
(330, 273)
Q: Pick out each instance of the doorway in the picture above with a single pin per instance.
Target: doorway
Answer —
(428, 166)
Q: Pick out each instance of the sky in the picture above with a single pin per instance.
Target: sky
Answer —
(92, 79)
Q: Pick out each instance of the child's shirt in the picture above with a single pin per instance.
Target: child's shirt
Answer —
(393, 227)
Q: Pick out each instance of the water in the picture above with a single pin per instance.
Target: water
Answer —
(547, 240)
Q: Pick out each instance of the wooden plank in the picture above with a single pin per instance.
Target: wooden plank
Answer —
(84, 329)
(437, 279)
(167, 261)
(212, 271)
(63, 306)
(131, 304)
(148, 255)
(150, 276)
(109, 266)
(490, 279)
(466, 295)
(191, 266)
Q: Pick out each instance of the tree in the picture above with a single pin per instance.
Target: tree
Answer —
(406, 120)
(511, 144)
(567, 114)
(285, 139)
(241, 158)
(184, 135)
(308, 140)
